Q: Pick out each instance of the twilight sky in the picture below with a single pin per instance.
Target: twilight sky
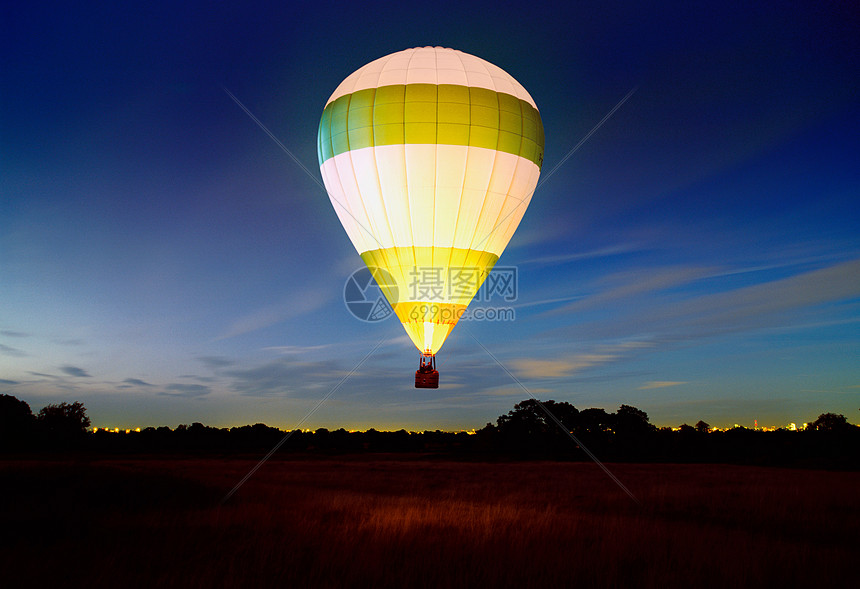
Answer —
(164, 261)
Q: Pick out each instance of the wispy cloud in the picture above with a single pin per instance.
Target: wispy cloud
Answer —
(603, 252)
(301, 303)
(44, 375)
(186, 390)
(573, 363)
(537, 368)
(283, 377)
(11, 333)
(10, 351)
(8, 382)
(512, 391)
(764, 303)
(791, 302)
(777, 265)
(199, 378)
(661, 384)
(545, 302)
(295, 349)
(137, 382)
(633, 283)
(75, 371)
(215, 361)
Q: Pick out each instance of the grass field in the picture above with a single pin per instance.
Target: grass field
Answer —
(399, 521)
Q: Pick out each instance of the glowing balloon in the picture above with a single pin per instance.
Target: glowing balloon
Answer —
(430, 157)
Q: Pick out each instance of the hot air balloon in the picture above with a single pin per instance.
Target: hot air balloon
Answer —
(430, 157)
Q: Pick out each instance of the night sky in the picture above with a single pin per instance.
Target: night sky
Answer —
(164, 261)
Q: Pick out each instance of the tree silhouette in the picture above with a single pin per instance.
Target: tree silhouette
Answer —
(702, 426)
(528, 426)
(632, 434)
(528, 418)
(630, 421)
(63, 421)
(830, 422)
(17, 422)
(595, 422)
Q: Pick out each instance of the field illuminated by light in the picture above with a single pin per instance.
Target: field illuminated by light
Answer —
(395, 521)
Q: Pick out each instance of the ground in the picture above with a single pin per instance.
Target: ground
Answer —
(409, 520)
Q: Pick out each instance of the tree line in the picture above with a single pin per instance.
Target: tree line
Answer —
(56, 424)
(531, 430)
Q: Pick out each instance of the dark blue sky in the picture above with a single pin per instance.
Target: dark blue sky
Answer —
(164, 261)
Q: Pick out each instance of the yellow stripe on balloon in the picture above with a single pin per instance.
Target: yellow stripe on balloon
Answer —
(430, 287)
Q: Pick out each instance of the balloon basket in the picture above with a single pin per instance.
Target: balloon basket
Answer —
(427, 377)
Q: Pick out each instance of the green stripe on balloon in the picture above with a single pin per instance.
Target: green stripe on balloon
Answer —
(431, 114)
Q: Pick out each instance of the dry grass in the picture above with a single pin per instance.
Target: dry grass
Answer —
(396, 523)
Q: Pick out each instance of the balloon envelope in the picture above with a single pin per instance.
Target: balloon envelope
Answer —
(430, 157)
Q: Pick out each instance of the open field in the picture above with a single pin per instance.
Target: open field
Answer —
(397, 521)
